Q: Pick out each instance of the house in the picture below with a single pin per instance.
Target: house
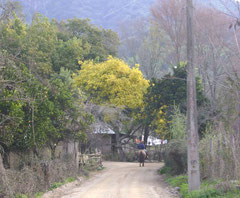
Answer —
(102, 138)
(151, 141)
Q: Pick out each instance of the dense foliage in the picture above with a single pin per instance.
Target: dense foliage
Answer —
(39, 102)
(163, 96)
(114, 82)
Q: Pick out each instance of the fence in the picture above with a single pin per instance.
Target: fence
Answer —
(90, 160)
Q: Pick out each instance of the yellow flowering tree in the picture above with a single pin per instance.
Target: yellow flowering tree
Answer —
(112, 81)
(160, 123)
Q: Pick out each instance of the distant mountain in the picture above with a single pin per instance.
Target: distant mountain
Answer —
(105, 13)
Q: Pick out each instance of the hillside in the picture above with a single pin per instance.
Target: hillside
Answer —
(105, 13)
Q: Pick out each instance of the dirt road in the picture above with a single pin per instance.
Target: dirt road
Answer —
(123, 180)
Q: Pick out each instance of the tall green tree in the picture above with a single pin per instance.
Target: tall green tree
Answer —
(41, 43)
(169, 91)
(69, 54)
(102, 42)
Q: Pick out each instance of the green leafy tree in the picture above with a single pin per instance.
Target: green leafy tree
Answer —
(38, 106)
(102, 42)
(169, 91)
(12, 36)
(69, 53)
(41, 43)
(172, 89)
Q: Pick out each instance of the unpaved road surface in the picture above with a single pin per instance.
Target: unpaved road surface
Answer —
(123, 180)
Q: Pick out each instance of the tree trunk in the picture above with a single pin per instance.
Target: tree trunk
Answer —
(210, 160)
(4, 180)
(119, 148)
(192, 131)
(146, 134)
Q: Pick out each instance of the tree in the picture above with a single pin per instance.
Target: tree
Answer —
(132, 34)
(152, 53)
(69, 53)
(212, 52)
(33, 114)
(8, 10)
(40, 45)
(114, 82)
(102, 42)
(170, 17)
(144, 43)
(166, 93)
(192, 132)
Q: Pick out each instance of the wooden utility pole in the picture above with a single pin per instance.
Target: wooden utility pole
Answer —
(192, 129)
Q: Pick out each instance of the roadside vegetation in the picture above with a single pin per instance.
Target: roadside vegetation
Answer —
(58, 79)
(209, 188)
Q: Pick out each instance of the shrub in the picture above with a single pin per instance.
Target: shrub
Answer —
(165, 170)
(209, 189)
(206, 193)
(203, 193)
(176, 151)
(184, 190)
(68, 180)
(178, 181)
(131, 156)
(56, 185)
(176, 157)
(21, 196)
(38, 195)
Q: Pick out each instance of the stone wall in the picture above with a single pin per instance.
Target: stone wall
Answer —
(16, 160)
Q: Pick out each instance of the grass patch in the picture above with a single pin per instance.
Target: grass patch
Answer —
(21, 196)
(165, 170)
(177, 181)
(69, 180)
(58, 184)
(100, 168)
(38, 195)
(209, 189)
(206, 192)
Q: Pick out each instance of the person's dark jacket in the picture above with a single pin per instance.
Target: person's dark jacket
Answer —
(141, 146)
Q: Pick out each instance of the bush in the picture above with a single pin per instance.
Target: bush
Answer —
(209, 189)
(176, 151)
(69, 180)
(38, 195)
(176, 157)
(203, 193)
(21, 196)
(58, 184)
(184, 190)
(206, 193)
(178, 181)
(131, 156)
(165, 170)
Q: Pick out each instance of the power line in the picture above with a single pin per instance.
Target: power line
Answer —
(117, 10)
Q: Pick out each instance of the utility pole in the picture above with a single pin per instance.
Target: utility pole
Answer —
(192, 129)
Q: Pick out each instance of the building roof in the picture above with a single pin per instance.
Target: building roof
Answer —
(102, 128)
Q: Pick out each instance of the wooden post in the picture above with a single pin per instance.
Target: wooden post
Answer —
(192, 130)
